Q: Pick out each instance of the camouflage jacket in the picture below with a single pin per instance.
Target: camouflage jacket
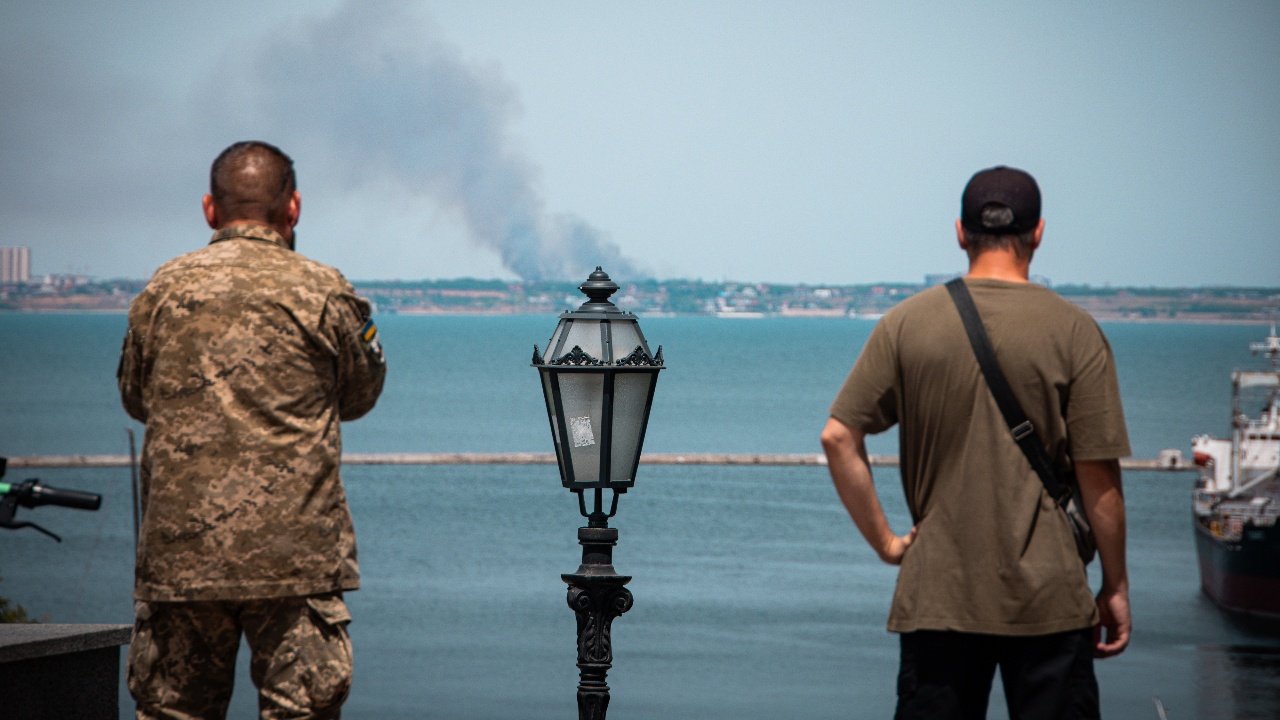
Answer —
(241, 358)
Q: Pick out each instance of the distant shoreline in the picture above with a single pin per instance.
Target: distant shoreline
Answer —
(1100, 317)
(666, 298)
(1179, 321)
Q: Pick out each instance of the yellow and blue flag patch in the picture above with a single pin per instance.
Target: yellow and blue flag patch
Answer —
(369, 334)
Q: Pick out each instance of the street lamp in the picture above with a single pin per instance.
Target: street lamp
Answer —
(597, 379)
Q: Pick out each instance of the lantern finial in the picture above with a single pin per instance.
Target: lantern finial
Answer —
(598, 287)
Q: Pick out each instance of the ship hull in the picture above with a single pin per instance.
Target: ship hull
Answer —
(1241, 575)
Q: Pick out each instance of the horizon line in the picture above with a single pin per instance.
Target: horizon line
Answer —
(1106, 285)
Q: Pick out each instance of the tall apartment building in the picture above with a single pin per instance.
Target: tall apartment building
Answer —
(15, 264)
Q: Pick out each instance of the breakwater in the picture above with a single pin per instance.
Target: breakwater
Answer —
(1168, 460)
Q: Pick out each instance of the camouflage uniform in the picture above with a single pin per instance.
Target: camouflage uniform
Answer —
(241, 358)
(182, 658)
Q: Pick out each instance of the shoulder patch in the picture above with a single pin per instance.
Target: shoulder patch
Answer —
(369, 335)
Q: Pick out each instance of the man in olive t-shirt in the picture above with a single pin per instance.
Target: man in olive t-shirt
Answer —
(990, 576)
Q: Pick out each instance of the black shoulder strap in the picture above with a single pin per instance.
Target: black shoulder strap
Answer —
(1023, 432)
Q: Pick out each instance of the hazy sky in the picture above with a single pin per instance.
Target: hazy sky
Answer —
(818, 142)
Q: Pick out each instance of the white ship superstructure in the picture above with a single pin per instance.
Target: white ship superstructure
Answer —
(1237, 497)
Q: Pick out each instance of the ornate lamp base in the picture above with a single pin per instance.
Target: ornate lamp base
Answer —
(596, 596)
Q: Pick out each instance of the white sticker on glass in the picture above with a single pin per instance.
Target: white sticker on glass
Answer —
(580, 428)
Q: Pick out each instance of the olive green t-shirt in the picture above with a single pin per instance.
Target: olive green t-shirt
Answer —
(994, 553)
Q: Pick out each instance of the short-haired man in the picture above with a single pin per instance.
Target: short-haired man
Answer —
(990, 576)
(241, 358)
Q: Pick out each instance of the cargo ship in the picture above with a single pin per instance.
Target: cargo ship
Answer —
(1237, 496)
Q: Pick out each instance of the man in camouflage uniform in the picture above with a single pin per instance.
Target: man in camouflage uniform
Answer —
(242, 358)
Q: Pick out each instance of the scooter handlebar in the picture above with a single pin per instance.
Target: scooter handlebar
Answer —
(45, 495)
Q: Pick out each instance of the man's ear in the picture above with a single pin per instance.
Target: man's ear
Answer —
(1037, 236)
(210, 211)
(294, 209)
(964, 244)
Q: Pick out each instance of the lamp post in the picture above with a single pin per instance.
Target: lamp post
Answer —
(597, 379)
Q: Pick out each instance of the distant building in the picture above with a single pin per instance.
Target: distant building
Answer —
(15, 264)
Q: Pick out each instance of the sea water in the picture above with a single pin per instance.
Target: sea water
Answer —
(755, 597)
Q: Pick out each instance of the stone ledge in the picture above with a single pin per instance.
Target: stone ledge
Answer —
(26, 641)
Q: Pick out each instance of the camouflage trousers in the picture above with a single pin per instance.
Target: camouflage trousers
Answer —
(182, 657)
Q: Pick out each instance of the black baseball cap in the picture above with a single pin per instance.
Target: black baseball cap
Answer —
(1000, 201)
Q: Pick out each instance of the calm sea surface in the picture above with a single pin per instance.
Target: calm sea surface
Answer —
(755, 596)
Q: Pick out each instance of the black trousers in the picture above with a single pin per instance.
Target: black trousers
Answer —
(949, 674)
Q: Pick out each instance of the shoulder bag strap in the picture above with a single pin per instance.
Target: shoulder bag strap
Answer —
(1024, 433)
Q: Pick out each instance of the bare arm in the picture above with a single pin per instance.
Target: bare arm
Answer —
(851, 473)
(1102, 495)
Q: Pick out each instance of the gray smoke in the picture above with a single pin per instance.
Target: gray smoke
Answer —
(387, 99)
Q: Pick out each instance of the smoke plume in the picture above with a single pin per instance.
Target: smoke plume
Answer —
(380, 94)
